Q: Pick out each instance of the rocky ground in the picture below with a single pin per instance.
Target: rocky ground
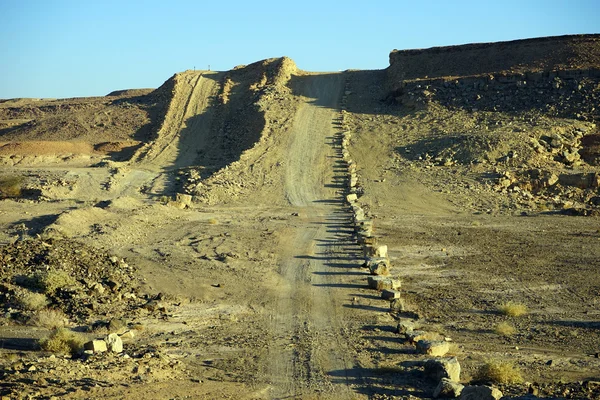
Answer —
(243, 275)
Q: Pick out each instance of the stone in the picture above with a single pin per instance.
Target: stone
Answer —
(117, 324)
(437, 369)
(176, 204)
(374, 281)
(351, 198)
(127, 335)
(397, 305)
(97, 289)
(114, 343)
(381, 251)
(379, 282)
(435, 348)
(406, 325)
(378, 266)
(389, 294)
(365, 230)
(389, 283)
(414, 336)
(184, 199)
(551, 180)
(96, 346)
(447, 388)
(480, 393)
(359, 215)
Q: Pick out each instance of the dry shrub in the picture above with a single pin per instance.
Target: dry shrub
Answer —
(11, 357)
(63, 340)
(51, 319)
(496, 371)
(513, 309)
(51, 280)
(10, 186)
(213, 221)
(505, 329)
(31, 301)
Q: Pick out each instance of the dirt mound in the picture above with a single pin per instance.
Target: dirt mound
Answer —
(130, 92)
(80, 280)
(212, 118)
(45, 148)
(546, 54)
(128, 117)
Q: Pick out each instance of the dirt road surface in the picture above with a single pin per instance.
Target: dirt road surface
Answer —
(307, 318)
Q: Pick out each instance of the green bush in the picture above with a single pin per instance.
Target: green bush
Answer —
(496, 371)
(51, 280)
(63, 340)
(31, 301)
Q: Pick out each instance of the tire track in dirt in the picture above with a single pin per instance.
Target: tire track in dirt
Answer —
(309, 355)
(185, 129)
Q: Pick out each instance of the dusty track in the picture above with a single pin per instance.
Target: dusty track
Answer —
(182, 133)
(177, 141)
(307, 319)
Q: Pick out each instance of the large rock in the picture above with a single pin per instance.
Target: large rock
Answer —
(389, 294)
(127, 335)
(437, 369)
(436, 348)
(480, 393)
(381, 251)
(378, 266)
(374, 281)
(114, 343)
(359, 215)
(379, 282)
(96, 346)
(415, 336)
(398, 305)
(406, 325)
(184, 199)
(447, 388)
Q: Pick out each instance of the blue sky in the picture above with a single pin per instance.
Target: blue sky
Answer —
(69, 48)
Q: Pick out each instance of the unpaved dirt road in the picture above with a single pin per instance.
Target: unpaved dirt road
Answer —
(185, 130)
(307, 318)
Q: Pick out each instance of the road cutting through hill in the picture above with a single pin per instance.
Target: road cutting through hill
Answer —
(309, 344)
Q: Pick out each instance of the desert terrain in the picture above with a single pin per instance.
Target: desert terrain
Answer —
(222, 228)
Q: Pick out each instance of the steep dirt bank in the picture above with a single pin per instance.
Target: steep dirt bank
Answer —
(212, 119)
(517, 56)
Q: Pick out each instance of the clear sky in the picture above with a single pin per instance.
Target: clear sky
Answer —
(69, 48)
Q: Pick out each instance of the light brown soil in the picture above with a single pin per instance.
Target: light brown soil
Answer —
(255, 290)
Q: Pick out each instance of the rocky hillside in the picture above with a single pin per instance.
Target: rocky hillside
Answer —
(517, 56)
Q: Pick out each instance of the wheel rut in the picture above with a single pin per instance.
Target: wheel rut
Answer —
(309, 355)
